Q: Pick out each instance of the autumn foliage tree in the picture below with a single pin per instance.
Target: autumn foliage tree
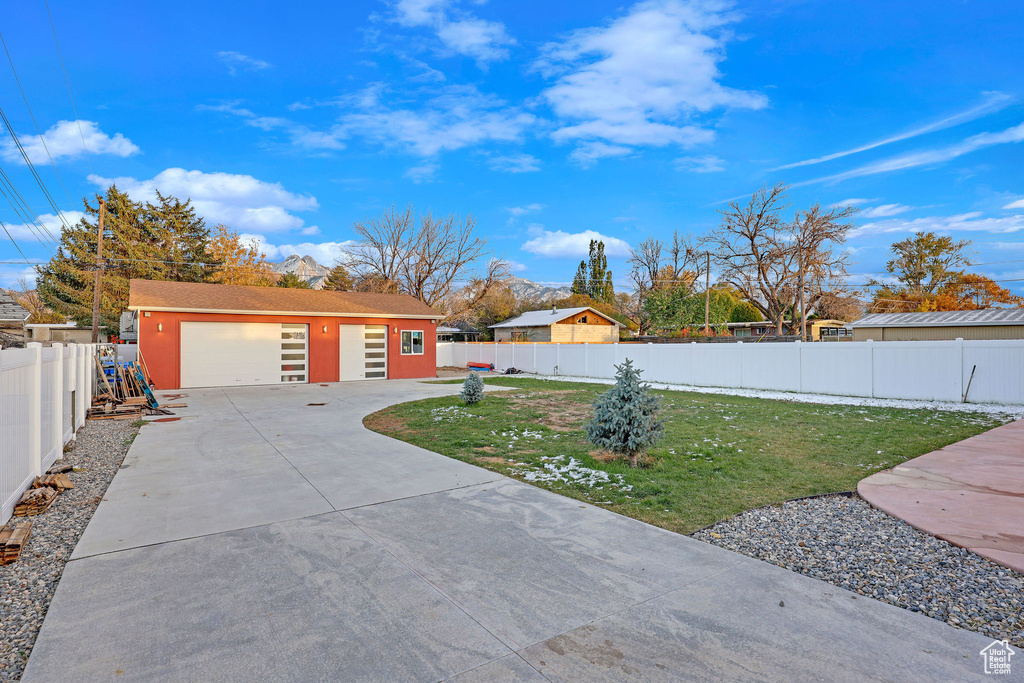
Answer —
(237, 261)
(929, 271)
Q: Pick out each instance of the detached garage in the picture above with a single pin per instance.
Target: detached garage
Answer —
(203, 335)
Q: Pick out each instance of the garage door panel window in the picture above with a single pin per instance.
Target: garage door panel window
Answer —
(412, 343)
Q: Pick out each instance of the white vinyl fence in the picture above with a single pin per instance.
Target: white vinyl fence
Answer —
(918, 370)
(44, 395)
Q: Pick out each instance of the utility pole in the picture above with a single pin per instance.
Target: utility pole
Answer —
(99, 274)
(800, 283)
(707, 295)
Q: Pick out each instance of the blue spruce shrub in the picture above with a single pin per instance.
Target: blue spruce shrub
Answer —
(472, 389)
(625, 417)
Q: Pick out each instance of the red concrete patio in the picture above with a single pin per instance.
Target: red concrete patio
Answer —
(969, 493)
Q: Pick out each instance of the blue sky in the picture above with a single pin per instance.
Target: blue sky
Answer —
(550, 122)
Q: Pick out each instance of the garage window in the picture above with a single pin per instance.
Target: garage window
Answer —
(412, 343)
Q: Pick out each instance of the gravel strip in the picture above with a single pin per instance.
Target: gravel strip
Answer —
(851, 545)
(27, 586)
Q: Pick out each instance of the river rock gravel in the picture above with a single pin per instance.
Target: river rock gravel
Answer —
(847, 543)
(27, 586)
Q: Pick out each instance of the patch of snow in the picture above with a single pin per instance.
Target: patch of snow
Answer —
(555, 469)
(1012, 412)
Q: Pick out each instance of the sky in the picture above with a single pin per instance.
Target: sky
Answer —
(551, 123)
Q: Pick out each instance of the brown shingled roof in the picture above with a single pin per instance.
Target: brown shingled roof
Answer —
(154, 295)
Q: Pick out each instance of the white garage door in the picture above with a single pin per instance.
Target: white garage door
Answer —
(364, 352)
(240, 354)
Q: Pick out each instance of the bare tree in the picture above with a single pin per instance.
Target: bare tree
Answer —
(430, 260)
(761, 256)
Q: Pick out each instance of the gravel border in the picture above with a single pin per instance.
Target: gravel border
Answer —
(27, 586)
(854, 546)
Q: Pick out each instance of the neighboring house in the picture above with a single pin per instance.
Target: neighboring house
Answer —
(567, 325)
(757, 328)
(204, 335)
(461, 333)
(65, 333)
(12, 315)
(990, 323)
(819, 329)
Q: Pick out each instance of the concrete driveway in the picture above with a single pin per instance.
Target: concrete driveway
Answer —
(264, 538)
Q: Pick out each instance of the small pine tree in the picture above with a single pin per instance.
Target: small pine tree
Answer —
(472, 389)
(625, 417)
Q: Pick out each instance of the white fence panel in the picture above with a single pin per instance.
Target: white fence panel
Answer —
(717, 365)
(762, 366)
(44, 393)
(928, 371)
(445, 354)
(572, 360)
(839, 368)
(998, 371)
(925, 370)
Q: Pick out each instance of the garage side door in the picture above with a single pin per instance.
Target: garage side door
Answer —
(239, 354)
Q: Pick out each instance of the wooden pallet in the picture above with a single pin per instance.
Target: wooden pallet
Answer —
(35, 502)
(13, 540)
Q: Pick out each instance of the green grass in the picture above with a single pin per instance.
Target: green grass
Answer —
(720, 454)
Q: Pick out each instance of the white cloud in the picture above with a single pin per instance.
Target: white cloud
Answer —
(994, 101)
(704, 164)
(885, 210)
(974, 221)
(64, 141)
(1019, 204)
(236, 61)
(641, 79)
(513, 266)
(325, 253)
(927, 157)
(239, 201)
(10, 279)
(517, 211)
(32, 232)
(588, 153)
(453, 118)
(424, 173)
(459, 31)
(559, 244)
(301, 136)
(852, 202)
(514, 163)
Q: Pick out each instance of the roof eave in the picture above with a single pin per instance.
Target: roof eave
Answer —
(312, 314)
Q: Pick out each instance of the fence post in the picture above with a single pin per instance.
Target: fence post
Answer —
(739, 352)
(535, 357)
(80, 390)
(586, 359)
(960, 344)
(90, 379)
(800, 365)
(35, 408)
(57, 426)
(558, 357)
(871, 364)
(693, 364)
(650, 345)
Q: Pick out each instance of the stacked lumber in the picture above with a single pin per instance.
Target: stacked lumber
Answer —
(128, 397)
(60, 482)
(35, 502)
(13, 541)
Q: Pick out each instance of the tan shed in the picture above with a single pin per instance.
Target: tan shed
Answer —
(990, 323)
(566, 326)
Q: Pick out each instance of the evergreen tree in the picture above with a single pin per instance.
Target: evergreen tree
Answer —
(625, 417)
(472, 389)
(579, 283)
(181, 236)
(130, 250)
(339, 280)
(293, 281)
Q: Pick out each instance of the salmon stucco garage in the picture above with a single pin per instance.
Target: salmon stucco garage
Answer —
(206, 335)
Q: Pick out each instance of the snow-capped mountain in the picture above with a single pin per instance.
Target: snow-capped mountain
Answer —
(531, 291)
(305, 267)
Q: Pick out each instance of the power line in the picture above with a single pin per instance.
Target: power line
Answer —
(25, 212)
(14, 242)
(67, 82)
(33, 117)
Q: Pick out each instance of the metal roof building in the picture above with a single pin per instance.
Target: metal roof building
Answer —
(990, 323)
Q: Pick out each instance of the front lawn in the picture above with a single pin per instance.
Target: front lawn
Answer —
(720, 454)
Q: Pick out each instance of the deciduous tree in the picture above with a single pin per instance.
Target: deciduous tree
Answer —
(238, 261)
